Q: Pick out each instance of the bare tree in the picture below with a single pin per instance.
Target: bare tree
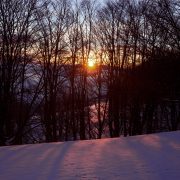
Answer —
(15, 35)
(53, 21)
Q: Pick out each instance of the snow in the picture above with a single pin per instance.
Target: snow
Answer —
(155, 156)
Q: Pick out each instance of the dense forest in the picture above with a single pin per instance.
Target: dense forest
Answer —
(87, 69)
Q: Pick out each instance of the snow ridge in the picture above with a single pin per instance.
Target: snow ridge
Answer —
(155, 156)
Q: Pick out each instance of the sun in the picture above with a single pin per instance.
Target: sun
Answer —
(91, 63)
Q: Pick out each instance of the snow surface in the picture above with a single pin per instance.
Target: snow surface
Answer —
(155, 156)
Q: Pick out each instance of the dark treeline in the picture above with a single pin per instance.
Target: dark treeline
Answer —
(48, 92)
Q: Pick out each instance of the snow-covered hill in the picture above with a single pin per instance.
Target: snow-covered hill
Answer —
(155, 156)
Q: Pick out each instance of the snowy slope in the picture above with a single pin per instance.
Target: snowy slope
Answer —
(155, 156)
